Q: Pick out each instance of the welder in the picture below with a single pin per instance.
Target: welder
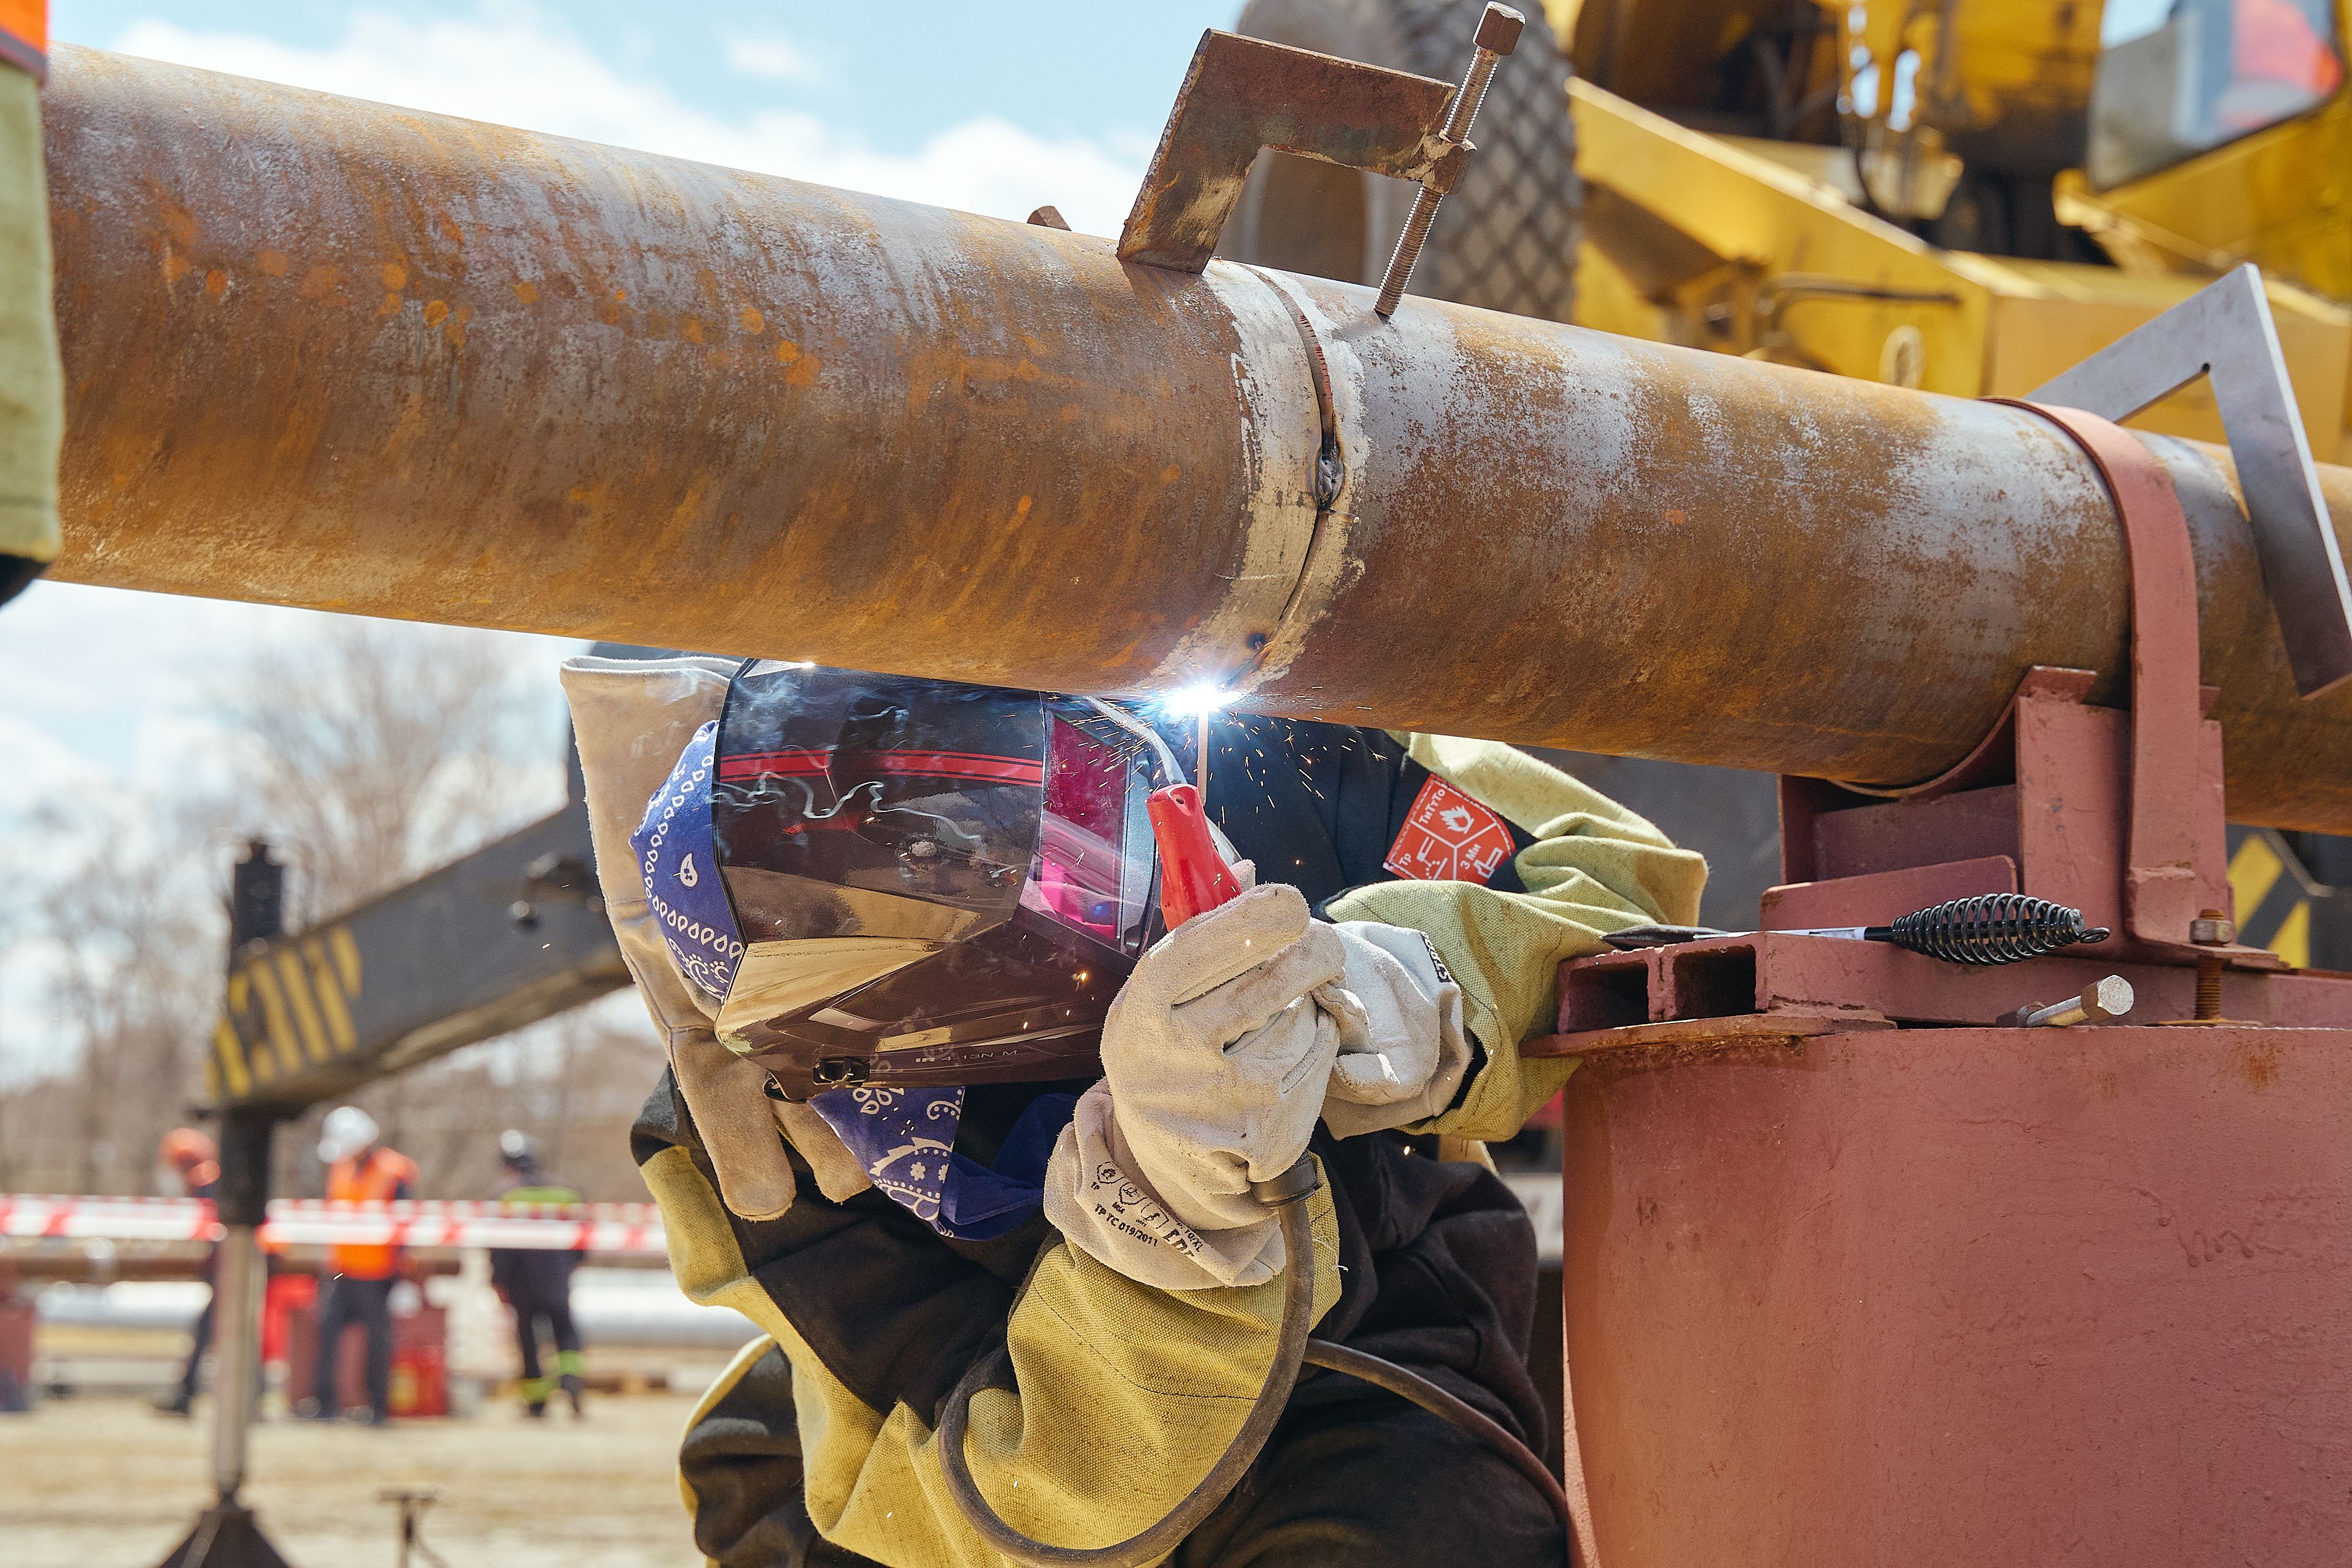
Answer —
(360, 1275)
(941, 1092)
(535, 1282)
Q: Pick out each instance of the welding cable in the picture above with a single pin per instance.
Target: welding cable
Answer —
(1287, 1194)
(1412, 1385)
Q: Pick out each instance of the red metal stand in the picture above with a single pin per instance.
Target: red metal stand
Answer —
(2118, 814)
(1856, 1275)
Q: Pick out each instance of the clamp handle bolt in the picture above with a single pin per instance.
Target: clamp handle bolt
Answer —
(1498, 35)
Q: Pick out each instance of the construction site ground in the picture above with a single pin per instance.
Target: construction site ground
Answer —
(107, 1482)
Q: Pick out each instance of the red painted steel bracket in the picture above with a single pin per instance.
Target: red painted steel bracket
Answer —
(2164, 884)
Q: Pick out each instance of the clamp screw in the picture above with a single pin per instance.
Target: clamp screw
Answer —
(2211, 929)
(1498, 35)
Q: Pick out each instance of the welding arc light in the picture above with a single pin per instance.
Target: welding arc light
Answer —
(1197, 701)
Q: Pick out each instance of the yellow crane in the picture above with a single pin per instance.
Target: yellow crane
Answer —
(2148, 128)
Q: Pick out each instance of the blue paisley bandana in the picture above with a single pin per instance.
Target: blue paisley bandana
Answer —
(904, 1138)
(673, 847)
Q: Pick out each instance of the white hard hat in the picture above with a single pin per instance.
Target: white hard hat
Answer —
(347, 1131)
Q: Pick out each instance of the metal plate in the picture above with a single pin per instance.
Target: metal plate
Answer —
(1243, 94)
(2225, 331)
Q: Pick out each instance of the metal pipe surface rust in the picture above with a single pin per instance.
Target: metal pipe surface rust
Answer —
(329, 353)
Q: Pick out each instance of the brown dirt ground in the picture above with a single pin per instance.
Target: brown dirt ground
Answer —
(95, 1482)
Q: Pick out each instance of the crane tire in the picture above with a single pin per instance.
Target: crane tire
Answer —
(1505, 239)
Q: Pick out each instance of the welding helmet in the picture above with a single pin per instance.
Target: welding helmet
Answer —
(906, 881)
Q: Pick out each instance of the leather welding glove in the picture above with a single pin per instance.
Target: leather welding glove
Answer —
(1216, 1054)
(1403, 1052)
(631, 717)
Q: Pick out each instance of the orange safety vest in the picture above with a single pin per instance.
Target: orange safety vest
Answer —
(374, 1182)
(25, 35)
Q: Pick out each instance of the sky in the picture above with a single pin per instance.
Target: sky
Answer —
(991, 108)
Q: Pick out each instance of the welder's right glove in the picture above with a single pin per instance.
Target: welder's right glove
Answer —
(1216, 1054)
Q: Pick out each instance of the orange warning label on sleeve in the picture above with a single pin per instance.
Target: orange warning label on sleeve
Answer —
(1448, 837)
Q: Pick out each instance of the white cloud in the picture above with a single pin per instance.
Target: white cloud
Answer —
(769, 59)
(526, 67)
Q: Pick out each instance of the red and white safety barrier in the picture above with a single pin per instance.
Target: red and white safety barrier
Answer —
(617, 1229)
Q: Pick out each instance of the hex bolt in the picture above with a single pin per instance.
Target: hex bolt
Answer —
(2099, 1003)
(2211, 929)
(1498, 35)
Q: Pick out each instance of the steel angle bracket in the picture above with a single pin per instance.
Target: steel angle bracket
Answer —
(2225, 331)
(1244, 94)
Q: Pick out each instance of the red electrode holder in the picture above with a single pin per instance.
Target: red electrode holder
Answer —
(1194, 877)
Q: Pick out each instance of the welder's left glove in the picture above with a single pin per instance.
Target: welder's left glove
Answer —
(1403, 1052)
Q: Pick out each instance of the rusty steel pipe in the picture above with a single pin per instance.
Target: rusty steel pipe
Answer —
(334, 354)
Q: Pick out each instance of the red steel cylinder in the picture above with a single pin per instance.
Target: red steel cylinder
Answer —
(1965, 1296)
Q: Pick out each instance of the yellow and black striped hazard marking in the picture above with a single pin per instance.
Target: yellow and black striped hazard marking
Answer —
(289, 1004)
(2272, 895)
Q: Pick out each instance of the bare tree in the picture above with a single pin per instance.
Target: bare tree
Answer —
(377, 751)
(574, 1082)
(127, 966)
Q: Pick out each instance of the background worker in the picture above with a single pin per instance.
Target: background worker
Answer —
(192, 1161)
(360, 1276)
(791, 855)
(537, 1282)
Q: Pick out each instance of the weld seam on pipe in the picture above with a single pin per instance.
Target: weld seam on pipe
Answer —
(1326, 568)
(1281, 437)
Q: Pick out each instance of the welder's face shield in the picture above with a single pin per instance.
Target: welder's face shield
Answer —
(931, 883)
(1096, 867)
